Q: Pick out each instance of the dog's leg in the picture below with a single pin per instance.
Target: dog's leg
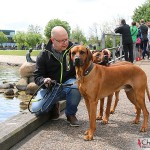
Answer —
(116, 102)
(140, 104)
(106, 118)
(131, 96)
(87, 106)
(100, 115)
(90, 132)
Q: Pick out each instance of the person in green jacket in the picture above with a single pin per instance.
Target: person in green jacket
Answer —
(134, 33)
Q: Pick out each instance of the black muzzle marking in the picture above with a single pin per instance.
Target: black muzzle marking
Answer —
(78, 62)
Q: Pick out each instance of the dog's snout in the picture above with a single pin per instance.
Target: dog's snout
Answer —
(77, 61)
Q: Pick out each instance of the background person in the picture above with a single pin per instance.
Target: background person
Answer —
(144, 40)
(127, 42)
(54, 64)
(134, 33)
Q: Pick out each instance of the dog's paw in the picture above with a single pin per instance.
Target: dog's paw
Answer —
(88, 137)
(136, 121)
(105, 121)
(99, 118)
(112, 111)
(143, 129)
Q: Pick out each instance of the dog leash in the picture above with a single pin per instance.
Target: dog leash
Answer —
(50, 89)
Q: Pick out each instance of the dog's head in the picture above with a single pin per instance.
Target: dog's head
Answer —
(80, 55)
(98, 56)
(102, 57)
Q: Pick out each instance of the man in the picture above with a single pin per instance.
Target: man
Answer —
(144, 40)
(28, 56)
(127, 42)
(54, 64)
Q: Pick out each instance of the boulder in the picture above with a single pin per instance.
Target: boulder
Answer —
(6, 86)
(22, 84)
(27, 69)
(9, 92)
(31, 88)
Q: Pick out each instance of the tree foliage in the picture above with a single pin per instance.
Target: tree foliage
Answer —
(142, 12)
(56, 22)
(3, 38)
(77, 35)
(29, 39)
(19, 38)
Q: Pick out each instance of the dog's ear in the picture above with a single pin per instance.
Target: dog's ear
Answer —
(89, 54)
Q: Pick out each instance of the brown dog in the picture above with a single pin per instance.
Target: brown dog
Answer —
(99, 57)
(96, 82)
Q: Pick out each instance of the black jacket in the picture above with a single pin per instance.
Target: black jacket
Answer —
(47, 65)
(126, 35)
(144, 31)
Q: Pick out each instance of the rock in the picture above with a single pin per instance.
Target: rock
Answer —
(30, 79)
(27, 69)
(6, 86)
(9, 92)
(22, 84)
(31, 88)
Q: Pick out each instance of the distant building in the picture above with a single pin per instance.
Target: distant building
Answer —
(10, 43)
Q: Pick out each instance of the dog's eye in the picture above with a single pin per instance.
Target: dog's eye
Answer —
(73, 53)
(82, 52)
(97, 55)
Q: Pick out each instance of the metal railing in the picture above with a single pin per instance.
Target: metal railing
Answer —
(114, 48)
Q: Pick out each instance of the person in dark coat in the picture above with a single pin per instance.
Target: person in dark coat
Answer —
(53, 64)
(127, 42)
(144, 38)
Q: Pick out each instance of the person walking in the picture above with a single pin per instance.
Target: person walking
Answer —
(53, 63)
(127, 42)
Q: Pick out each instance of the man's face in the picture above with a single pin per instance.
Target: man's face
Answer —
(60, 42)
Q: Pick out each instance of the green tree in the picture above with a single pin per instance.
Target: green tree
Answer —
(142, 12)
(78, 36)
(32, 39)
(3, 38)
(56, 22)
(20, 38)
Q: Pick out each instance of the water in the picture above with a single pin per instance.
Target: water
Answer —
(9, 106)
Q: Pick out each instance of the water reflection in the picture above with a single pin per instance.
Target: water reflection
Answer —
(11, 106)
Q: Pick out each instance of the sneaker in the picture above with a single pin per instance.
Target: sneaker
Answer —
(55, 112)
(73, 121)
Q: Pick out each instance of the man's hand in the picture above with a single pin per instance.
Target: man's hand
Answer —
(47, 82)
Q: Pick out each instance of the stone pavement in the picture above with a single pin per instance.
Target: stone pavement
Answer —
(118, 134)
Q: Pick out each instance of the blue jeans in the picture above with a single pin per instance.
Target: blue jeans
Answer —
(144, 47)
(58, 93)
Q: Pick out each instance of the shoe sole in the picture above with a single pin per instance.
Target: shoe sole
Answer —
(55, 119)
(73, 125)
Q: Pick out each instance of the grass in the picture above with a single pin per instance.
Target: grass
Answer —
(19, 52)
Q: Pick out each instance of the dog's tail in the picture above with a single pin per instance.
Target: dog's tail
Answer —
(147, 91)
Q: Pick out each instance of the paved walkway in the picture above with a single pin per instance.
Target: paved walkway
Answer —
(119, 134)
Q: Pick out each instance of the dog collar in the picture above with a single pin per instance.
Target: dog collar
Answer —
(89, 69)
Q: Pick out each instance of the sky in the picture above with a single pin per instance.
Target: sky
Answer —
(19, 14)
